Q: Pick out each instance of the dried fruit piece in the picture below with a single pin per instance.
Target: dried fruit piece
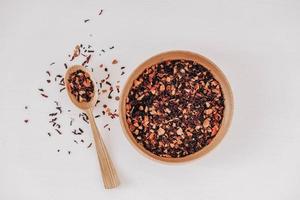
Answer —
(115, 61)
(206, 123)
(179, 131)
(160, 131)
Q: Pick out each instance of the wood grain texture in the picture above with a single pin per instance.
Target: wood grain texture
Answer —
(109, 174)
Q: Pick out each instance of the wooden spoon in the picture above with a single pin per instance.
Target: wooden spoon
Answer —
(109, 174)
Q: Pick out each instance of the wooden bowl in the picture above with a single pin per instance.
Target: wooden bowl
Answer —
(218, 75)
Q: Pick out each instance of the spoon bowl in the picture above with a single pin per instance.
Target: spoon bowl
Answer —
(82, 105)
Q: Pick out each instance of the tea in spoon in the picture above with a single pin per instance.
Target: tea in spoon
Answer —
(82, 92)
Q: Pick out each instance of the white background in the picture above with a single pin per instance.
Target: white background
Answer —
(256, 44)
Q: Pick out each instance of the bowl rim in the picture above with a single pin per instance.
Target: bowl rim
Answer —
(217, 74)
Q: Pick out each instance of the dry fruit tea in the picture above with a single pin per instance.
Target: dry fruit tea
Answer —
(175, 108)
(81, 86)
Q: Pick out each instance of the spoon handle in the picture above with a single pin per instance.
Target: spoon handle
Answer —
(109, 174)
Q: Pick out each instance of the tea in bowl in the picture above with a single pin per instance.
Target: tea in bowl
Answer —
(176, 106)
